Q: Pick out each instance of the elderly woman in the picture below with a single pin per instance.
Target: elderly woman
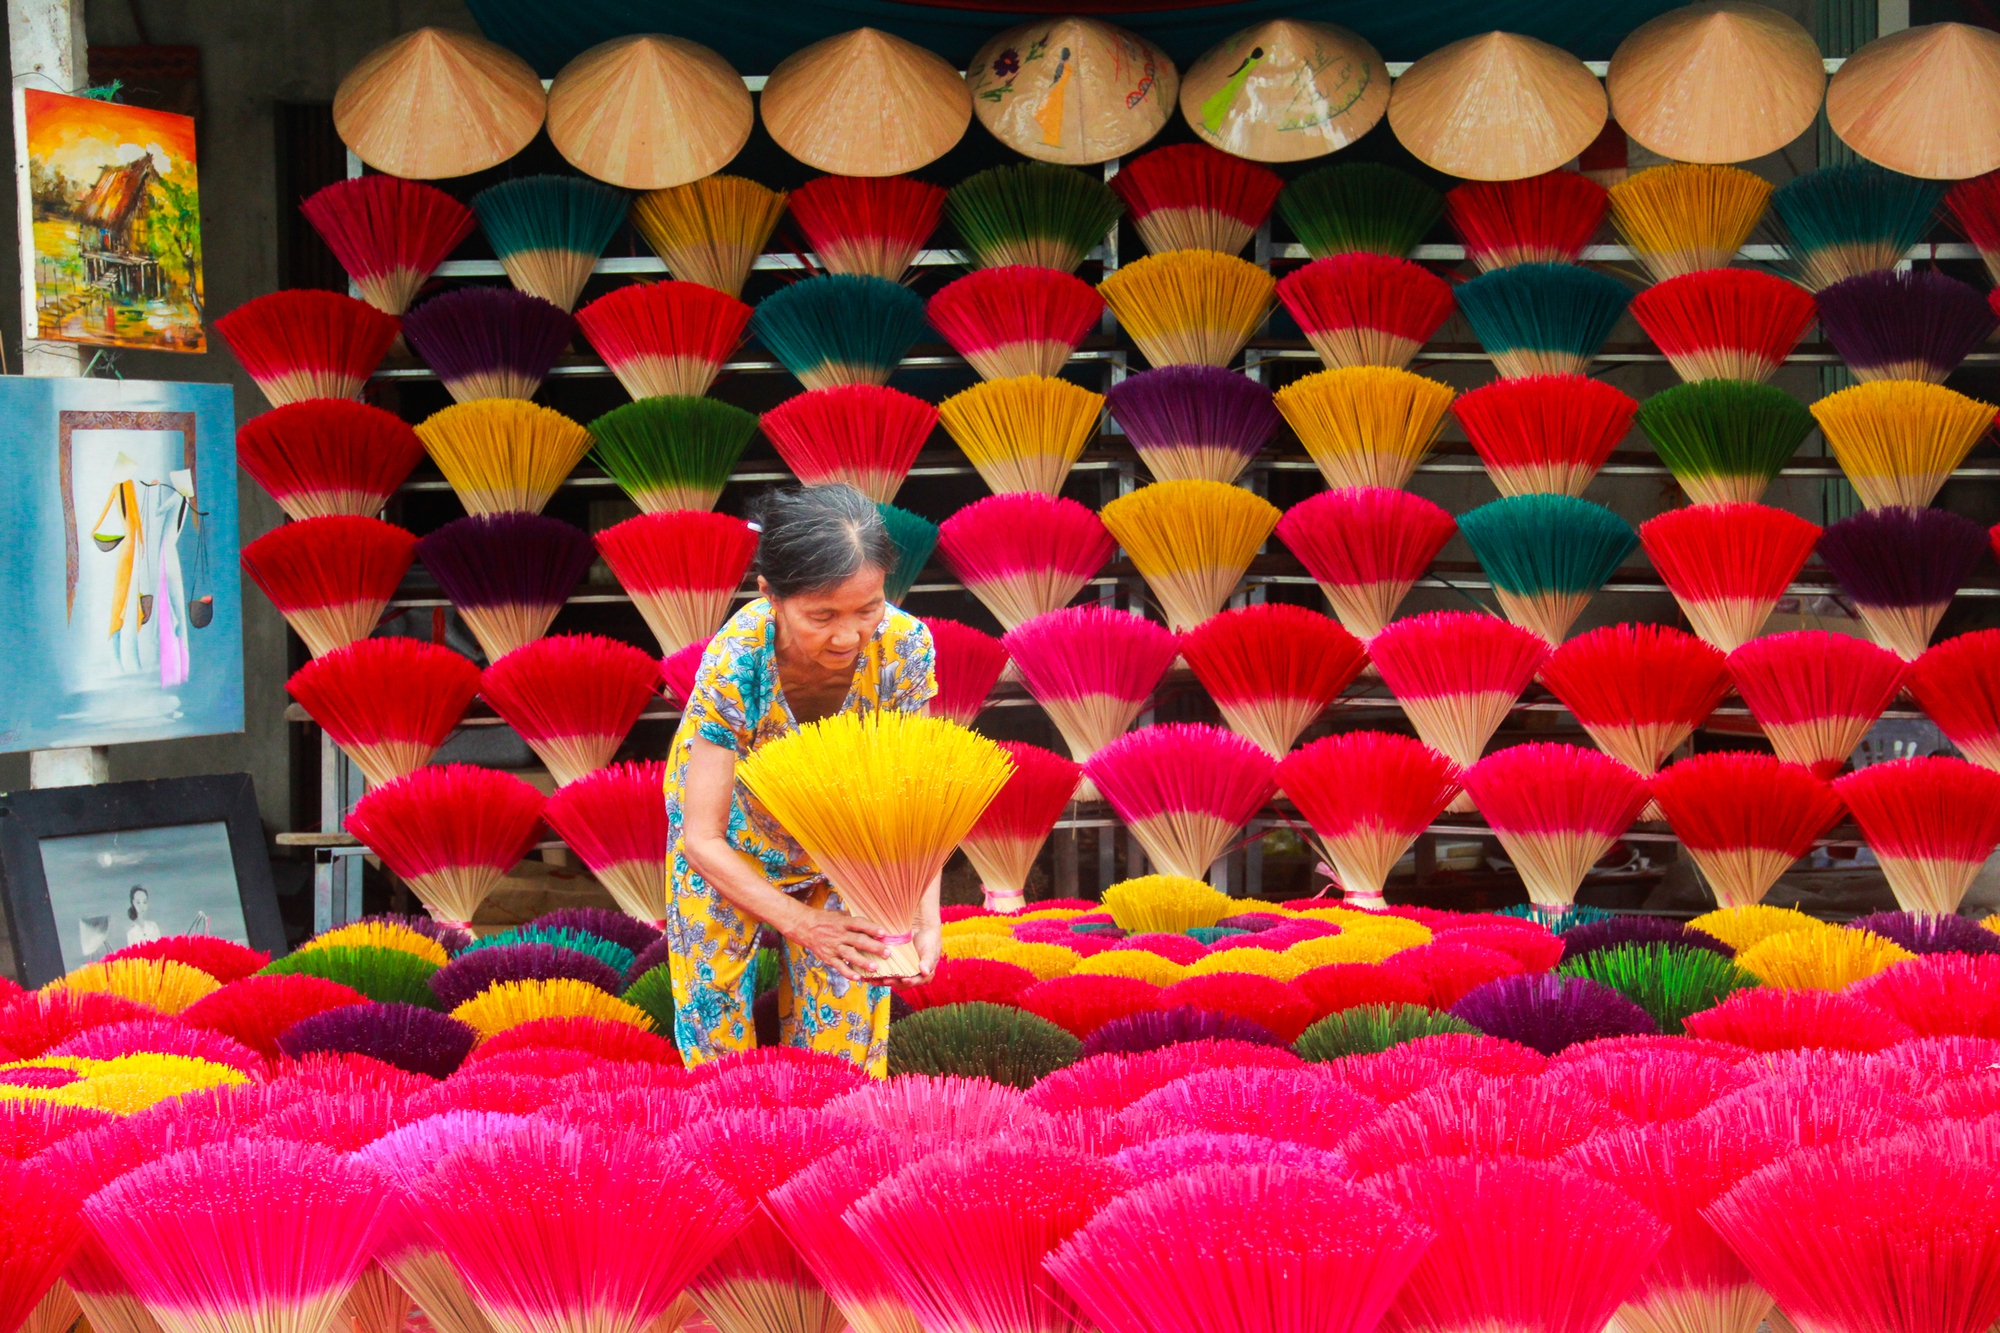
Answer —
(820, 640)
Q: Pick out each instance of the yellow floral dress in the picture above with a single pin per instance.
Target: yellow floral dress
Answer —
(737, 704)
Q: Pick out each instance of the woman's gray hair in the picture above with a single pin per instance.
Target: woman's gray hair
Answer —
(818, 537)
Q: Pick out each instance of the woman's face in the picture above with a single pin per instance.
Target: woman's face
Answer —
(828, 628)
(139, 900)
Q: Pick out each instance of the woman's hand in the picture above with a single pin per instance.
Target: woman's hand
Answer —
(929, 939)
(849, 945)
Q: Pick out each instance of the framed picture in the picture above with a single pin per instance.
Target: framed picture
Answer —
(118, 547)
(88, 870)
(110, 223)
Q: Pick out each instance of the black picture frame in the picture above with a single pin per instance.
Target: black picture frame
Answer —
(27, 818)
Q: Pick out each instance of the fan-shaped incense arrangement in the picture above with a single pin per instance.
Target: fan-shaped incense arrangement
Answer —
(862, 435)
(1724, 323)
(451, 831)
(1542, 319)
(506, 574)
(328, 456)
(503, 455)
(1931, 823)
(671, 453)
(1557, 810)
(914, 538)
(1015, 320)
(709, 231)
(867, 224)
(438, 102)
(865, 103)
(1183, 790)
(1189, 307)
(1035, 214)
(1365, 425)
(388, 233)
(1544, 433)
(1076, 89)
(968, 665)
(1974, 206)
(1359, 206)
(1334, 72)
(615, 821)
(388, 702)
(665, 339)
(1723, 440)
(1957, 684)
(1684, 217)
(840, 328)
(307, 344)
(1897, 440)
(1005, 843)
(681, 568)
(1022, 553)
(330, 578)
(1192, 197)
(572, 698)
(1022, 434)
(1815, 693)
(1496, 107)
(1744, 818)
(489, 342)
(1547, 556)
(1915, 101)
(1365, 547)
(1456, 675)
(1272, 669)
(1891, 325)
(1367, 795)
(1719, 82)
(1366, 310)
(1274, 1225)
(879, 803)
(1639, 690)
(1851, 218)
(1900, 568)
(548, 231)
(1545, 219)
(1193, 423)
(1728, 564)
(1091, 668)
(1191, 541)
(649, 111)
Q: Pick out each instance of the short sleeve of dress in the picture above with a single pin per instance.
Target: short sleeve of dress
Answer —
(909, 664)
(721, 705)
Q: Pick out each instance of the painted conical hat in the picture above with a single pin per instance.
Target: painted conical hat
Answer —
(1497, 107)
(1286, 90)
(1721, 81)
(1923, 101)
(648, 112)
(437, 103)
(866, 103)
(1072, 90)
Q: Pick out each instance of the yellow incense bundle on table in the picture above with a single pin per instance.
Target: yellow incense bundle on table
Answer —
(879, 803)
(503, 455)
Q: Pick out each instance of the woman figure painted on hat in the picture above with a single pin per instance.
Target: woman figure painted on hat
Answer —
(820, 640)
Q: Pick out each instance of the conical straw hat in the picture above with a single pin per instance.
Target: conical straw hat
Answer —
(1497, 107)
(649, 112)
(1720, 81)
(865, 103)
(437, 103)
(1072, 90)
(1286, 90)
(1923, 101)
